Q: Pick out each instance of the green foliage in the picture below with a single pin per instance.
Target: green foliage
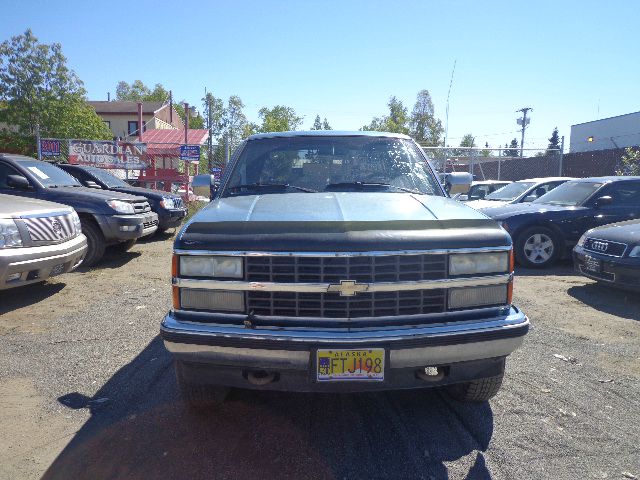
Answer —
(139, 92)
(554, 142)
(37, 88)
(630, 162)
(317, 123)
(278, 119)
(468, 141)
(425, 127)
(396, 122)
(486, 152)
(512, 149)
(196, 122)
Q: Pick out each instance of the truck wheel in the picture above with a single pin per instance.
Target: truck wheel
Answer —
(125, 246)
(95, 243)
(198, 396)
(537, 247)
(476, 391)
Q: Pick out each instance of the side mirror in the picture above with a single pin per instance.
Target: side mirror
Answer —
(603, 201)
(18, 181)
(529, 198)
(458, 182)
(92, 184)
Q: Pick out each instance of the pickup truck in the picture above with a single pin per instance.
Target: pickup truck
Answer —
(335, 262)
(107, 218)
(37, 240)
(169, 207)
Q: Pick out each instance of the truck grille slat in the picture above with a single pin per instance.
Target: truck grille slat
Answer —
(50, 228)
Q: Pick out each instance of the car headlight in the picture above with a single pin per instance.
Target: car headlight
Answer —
(582, 240)
(76, 222)
(120, 206)
(167, 203)
(9, 234)
(635, 252)
(206, 266)
(478, 263)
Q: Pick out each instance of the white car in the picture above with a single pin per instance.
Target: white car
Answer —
(519, 192)
(480, 189)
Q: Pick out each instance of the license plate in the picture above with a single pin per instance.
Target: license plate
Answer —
(347, 365)
(57, 270)
(592, 264)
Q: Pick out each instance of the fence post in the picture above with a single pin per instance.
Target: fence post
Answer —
(561, 154)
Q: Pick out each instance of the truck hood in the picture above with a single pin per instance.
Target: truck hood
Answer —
(339, 221)
(14, 206)
(148, 193)
(624, 232)
(69, 193)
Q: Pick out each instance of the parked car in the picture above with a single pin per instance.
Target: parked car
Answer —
(107, 218)
(38, 240)
(333, 261)
(522, 191)
(611, 254)
(480, 189)
(548, 228)
(169, 207)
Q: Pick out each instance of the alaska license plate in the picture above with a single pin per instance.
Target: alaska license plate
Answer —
(347, 365)
(592, 264)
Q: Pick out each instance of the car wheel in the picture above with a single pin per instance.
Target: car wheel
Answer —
(537, 247)
(477, 390)
(96, 244)
(125, 246)
(198, 396)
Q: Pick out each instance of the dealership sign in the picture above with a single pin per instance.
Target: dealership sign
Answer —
(49, 148)
(189, 152)
(108, 154)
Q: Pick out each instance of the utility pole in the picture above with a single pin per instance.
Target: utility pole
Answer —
(524, 121)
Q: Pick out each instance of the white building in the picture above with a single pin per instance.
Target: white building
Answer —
(614, 132)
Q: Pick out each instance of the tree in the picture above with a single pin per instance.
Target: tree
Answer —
(317, 124)
(630, 162)
(278, 119)
(554, 142)
(512, 150)
(396, 122)
(195, 121)
(139, 92)
(425, 127)
(486, 152)
(37, 88)
(325, 125)
(468, 141)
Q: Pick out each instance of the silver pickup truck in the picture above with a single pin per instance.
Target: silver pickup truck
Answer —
(38, 239)
(334, 261)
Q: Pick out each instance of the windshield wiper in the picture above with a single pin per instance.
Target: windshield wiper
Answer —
(365, 185)
(259, 185)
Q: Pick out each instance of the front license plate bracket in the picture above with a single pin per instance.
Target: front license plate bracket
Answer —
(344, 365)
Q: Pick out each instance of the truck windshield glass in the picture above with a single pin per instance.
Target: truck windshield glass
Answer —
(510, 192)
(349, 163)
(569, 194)
(110, 180)
(49, 175)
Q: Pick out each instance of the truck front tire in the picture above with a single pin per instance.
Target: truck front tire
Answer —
(198, 396)
(96, 244)
(477, 390)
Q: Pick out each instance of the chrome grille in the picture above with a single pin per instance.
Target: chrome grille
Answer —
(332, 305)
(141, 207)
(150, 224)
(177, 202)
(365, 269)
(51, 228)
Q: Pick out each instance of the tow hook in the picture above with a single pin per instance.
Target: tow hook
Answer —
(260, 377)
(430, 374)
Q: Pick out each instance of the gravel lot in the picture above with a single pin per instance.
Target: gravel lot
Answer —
(87, 392)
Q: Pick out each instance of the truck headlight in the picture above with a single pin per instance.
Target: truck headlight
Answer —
(210, 266)
(167, 203)
(478, 296)
(76, 222)
(478, 263)
(121, 207)
(9, 234)
(635, 252)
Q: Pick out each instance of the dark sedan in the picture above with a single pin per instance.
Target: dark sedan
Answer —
(169, 207)
(611, 254)
(547, 229)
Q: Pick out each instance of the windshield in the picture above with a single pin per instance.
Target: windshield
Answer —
(303, 164)
(569, 193)
(49, 175)
(511, 191)
(109, 179)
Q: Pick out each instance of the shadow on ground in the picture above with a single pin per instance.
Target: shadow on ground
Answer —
(562, 268)
(15, 298)
(140, 429)
(609, 300)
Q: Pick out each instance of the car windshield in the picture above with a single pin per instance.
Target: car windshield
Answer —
(49, 175)
(109, 179)
(570, 193)
(331, 163)
(510, 192)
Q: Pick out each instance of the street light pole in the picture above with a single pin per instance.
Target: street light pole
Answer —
(524, 126)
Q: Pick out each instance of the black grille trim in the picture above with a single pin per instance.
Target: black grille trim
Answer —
(612, 249)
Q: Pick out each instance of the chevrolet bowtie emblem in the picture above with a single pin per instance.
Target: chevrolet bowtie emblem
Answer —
(348, 288)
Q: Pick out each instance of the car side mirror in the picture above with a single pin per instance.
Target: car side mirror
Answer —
(529, 198)
(458, 182)
(92, 184)
(18, 181)
(603, 201)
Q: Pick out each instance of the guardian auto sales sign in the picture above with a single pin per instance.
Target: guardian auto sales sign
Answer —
(108, 154)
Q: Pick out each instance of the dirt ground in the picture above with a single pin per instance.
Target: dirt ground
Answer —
(87, 392)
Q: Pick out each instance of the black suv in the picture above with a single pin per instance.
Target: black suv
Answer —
(107, 217)
(169, 207)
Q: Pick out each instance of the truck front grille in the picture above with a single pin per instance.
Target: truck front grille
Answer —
(141, 207)
(364, 269)
(332, 305)
(50, 228)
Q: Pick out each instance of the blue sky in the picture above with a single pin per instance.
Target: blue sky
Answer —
(572, 61)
